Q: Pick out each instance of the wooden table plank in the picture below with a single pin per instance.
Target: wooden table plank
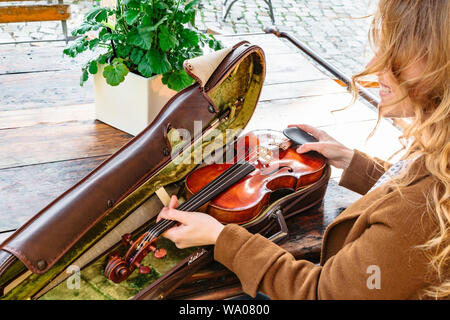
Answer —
(26, 190)
(48, 115)
(299, 89)
(318, 111)
(58, 142)
(265, 41)
(5, 235)
(39, 59)
(44, 89)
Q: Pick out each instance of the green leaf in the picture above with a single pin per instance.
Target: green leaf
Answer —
(147, 22)
(189, 38)
(154, 62)
(93, 43)
(123, 51)
(93, 67)
(167, 40)
(177, 80)
(144, 67)
(190, 4)
(158, 61)
(136, 55)
(85, 27)
(104, 57)
(84, 76)
(78, 46)
(97, 14)
(140, 39)
(131, 16)
(115, 72)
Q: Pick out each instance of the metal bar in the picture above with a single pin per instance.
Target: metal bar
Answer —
(228, 10)
(363, 92)
(269, 4)
(33, 41)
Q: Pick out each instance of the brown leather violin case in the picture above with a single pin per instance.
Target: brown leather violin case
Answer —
(62, 252)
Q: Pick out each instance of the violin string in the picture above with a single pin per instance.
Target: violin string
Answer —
(217, 181)
(194, 201)
(198, 197)
(163, 224)
(153, 232)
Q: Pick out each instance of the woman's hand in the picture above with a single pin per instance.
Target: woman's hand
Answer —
(194, 229)
(338, 154)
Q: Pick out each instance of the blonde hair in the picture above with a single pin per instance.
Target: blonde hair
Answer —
(403, 32)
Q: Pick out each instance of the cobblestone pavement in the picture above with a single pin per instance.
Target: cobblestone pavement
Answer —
(333, 28)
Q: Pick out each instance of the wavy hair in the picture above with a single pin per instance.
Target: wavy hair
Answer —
(403, 32)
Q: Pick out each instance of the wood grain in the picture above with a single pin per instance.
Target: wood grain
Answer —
(5, 235)
(58, 142)
(26, 190)
(299, 89)
(39, 60)
(34, 13)
(13, 119)
(44, 89)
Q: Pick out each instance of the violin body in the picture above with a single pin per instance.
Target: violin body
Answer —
(277, 166)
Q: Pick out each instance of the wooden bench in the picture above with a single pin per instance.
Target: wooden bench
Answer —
(31, 13)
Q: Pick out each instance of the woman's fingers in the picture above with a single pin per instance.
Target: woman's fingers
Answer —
(173, 202)
(314, 146)
(173, 214)
(173, 234)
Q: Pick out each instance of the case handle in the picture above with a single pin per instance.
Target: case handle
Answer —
(283, 234)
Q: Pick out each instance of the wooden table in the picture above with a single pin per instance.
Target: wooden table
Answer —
(49, 138)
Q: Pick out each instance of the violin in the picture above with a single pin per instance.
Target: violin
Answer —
(237, 191)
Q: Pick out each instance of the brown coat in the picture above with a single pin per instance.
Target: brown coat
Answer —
(367, 252)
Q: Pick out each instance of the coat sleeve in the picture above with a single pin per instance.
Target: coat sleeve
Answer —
(362, 173)
(380, 264)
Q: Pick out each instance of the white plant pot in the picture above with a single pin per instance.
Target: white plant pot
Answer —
(133, 104)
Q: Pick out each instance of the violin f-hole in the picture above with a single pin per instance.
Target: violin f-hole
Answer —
(276, 170)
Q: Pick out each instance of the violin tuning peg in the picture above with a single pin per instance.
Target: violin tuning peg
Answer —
(126, 239)
(160, 253)
(144, 269)
(112, 255)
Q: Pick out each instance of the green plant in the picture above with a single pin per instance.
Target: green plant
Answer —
(147, 37)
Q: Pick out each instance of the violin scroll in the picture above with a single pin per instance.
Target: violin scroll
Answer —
(119, 269)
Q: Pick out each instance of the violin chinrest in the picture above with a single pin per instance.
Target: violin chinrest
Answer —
(298, 136)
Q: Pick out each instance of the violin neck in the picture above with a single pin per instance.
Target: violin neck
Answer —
(228, 178)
